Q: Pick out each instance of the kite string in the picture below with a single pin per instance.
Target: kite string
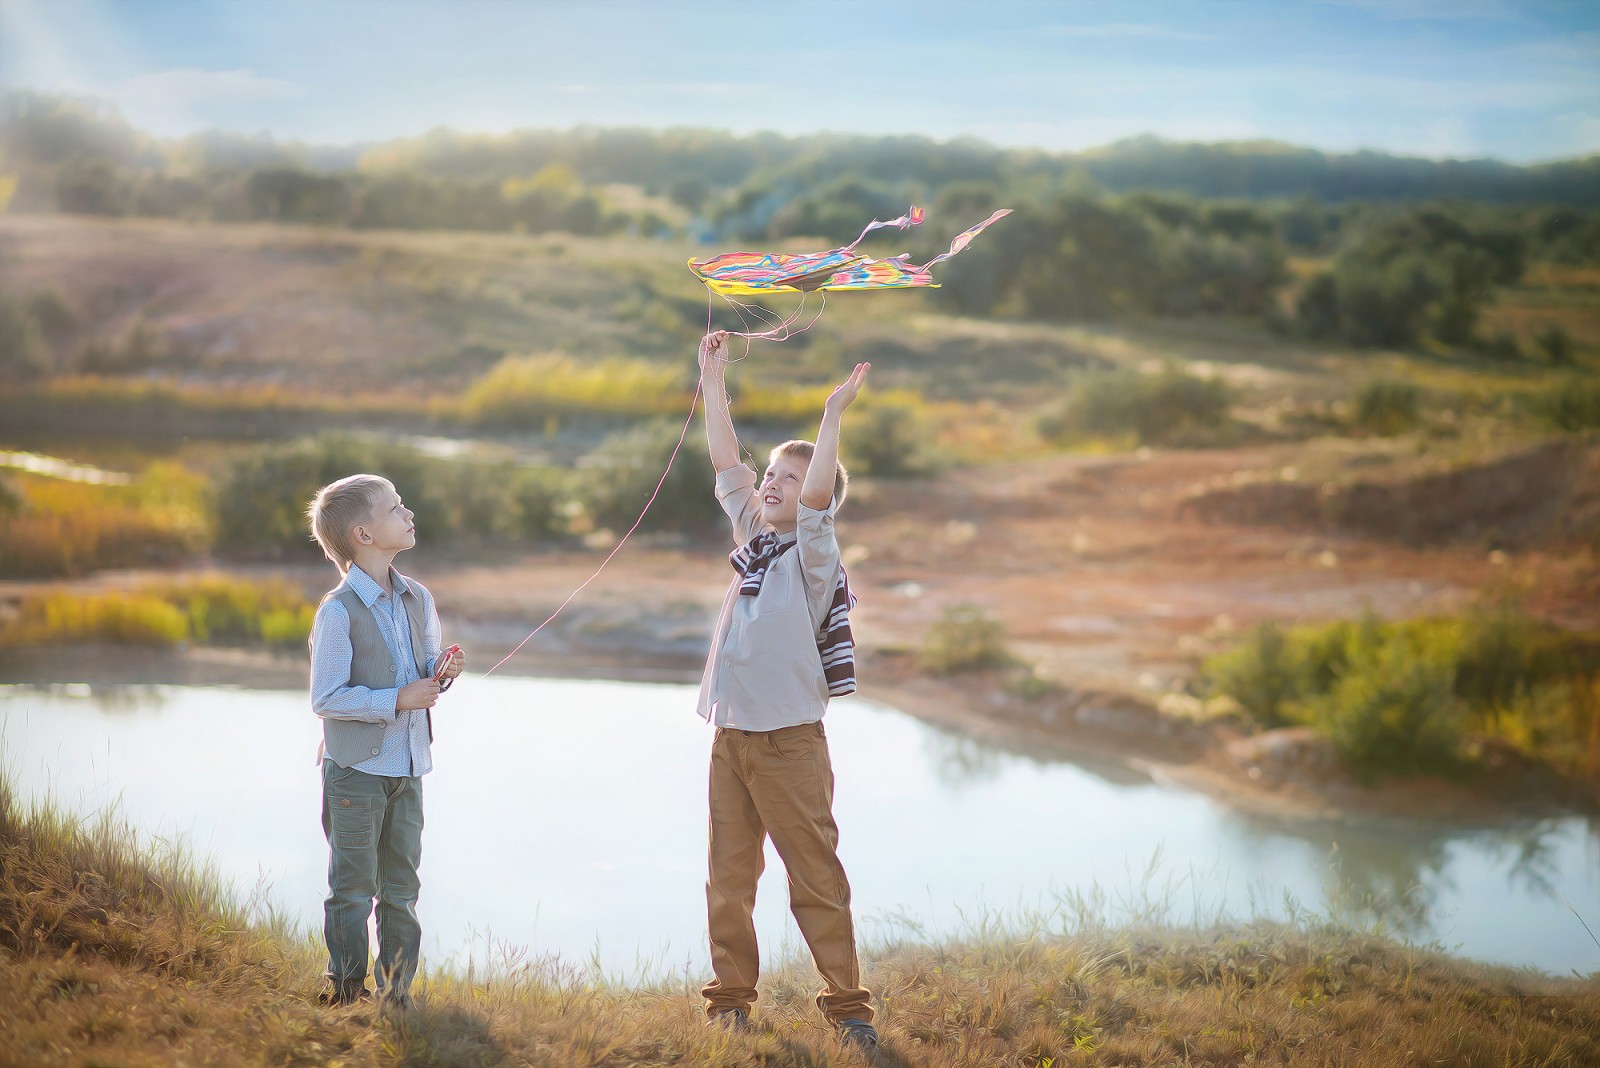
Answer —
(682, 434)
(781, 332)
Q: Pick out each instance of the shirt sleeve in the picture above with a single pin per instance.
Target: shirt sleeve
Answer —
(332, 695)
(818, 547)
(736, 492)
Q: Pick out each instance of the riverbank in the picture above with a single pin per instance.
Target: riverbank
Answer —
(117, 957)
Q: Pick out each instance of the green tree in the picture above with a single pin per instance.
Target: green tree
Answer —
(23, 352)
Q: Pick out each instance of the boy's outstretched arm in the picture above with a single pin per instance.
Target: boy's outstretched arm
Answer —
(720, 435)
(817, 491)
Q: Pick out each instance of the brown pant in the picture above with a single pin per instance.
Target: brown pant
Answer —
(779, 783)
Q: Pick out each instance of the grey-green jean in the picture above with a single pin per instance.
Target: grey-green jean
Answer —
(374, 829)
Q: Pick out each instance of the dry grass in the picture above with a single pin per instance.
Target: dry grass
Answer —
(113, 956)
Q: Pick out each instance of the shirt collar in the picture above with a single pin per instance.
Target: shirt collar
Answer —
(368, 589)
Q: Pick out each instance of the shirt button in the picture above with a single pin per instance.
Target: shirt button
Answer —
(345, 803)
(374, 752)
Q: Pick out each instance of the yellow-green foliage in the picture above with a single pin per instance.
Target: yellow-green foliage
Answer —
(1410, 695)
(212, 608)
(965, 638)
(528, 388)
(114, 957)
(69, 528)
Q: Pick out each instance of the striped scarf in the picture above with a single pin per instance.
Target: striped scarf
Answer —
(835, 643)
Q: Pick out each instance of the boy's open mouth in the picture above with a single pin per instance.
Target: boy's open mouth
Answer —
(771, 499)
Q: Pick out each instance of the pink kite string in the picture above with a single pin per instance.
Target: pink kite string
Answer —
(693, 407)
(780, 330)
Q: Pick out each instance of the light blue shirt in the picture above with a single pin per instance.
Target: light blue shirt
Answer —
(405, 749)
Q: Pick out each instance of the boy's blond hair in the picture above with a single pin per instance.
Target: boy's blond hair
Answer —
(339, 506)
(798, 449)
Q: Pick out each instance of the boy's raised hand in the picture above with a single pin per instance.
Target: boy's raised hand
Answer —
(714, 353)
(849, 390)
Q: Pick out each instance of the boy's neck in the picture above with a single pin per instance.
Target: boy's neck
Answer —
(376, 563)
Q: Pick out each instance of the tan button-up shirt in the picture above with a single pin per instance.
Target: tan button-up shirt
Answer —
(764, 671)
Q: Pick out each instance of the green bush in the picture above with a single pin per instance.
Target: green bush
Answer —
(616, 480)
(261, 502)
(1387, 406)
(889, 440)
(211, 608)
(1394, 709)
(965, 638)
(1173, 407)
(1405, 696)
(1556, 344)
(23, 352)
(1262, 674)
(1572, 405)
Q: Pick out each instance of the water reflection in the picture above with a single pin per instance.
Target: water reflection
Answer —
(568, 817)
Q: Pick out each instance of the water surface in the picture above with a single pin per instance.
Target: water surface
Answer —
(569, 817)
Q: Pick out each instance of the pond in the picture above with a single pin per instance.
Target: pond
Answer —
(568, 817)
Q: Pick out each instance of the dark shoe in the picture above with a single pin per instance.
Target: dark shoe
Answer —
(860, 1034)
(338, 998)
(396, 1002)
(729, 1019)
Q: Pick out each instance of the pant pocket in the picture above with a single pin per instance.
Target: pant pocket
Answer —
(352, 821)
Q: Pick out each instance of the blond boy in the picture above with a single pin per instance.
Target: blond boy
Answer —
(375, 652)
(775, 660)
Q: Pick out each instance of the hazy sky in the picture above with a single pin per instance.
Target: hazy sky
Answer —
(1425, 77)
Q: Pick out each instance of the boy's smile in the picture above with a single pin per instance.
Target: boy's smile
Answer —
(780, 494)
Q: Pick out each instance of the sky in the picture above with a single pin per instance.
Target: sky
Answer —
(1435, 78)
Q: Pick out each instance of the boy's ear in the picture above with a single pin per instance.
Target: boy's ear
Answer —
(360, 533)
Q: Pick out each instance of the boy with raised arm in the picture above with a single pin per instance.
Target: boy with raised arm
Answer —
(375, 655)
(782, 647)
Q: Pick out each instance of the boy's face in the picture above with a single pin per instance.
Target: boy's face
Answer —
(391, 527)
(780, 492)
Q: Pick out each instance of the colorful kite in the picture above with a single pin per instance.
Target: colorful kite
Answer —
(755, 273)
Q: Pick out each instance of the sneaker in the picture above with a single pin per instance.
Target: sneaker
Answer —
(729, 1019)
(337, 998)
(396, 1002)
(858, 1033)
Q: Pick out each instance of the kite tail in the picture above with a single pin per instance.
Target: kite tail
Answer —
(911, 218)
(964, 238)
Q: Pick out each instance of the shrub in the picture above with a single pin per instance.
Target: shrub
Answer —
(68, 528)
(211, 608)
(1403, 696)
(965, 638)
(105, 617)
(889, 440)
(524, 390)
(1169, 408)
(1572, 405)
(1261, 674)
(23, 352)
(1394, 708)
(1387, 406)
(262, 499)
(616, 479)
(1503, 346)
(1556, 344)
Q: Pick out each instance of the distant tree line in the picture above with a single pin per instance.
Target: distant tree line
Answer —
(1143, 228)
